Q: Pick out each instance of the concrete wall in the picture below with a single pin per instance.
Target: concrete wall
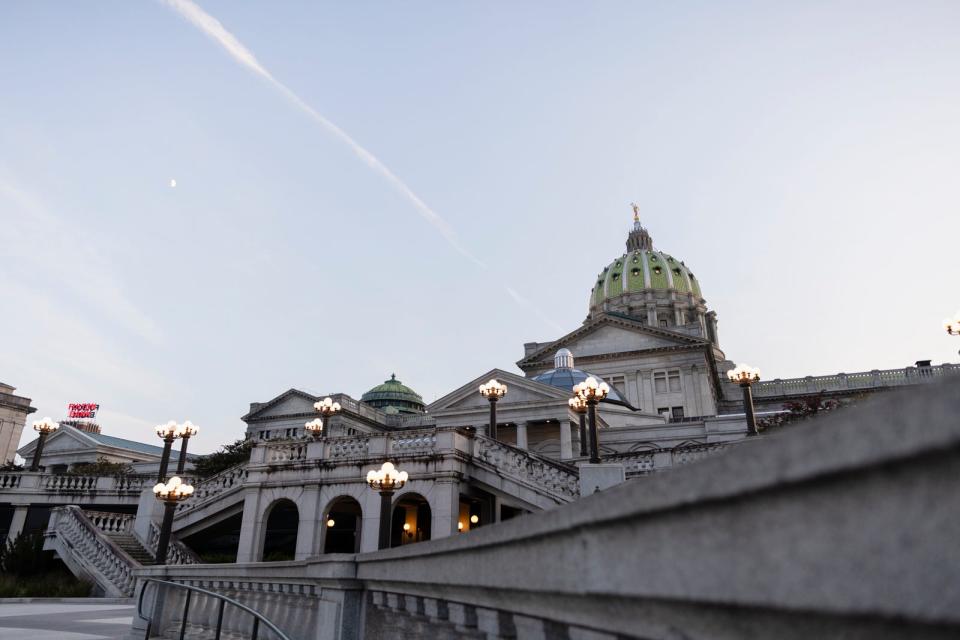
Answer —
(14, 410)
(844, 528)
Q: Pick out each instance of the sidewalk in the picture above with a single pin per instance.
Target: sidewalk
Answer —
(91, 620)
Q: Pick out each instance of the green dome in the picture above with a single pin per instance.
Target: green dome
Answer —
(643, 275)
(393, 394)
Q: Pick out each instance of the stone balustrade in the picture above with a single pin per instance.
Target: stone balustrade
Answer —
(111, 522)
(840, 382)
(649, 460)
(89, 552)
(210, 489)
(561, 479)
(42, 487)
(10, 480)
(846, 528)
(177, 552)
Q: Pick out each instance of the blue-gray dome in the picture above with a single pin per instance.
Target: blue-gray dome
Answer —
(564, 376)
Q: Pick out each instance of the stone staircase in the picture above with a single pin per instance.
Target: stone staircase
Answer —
(132, 547)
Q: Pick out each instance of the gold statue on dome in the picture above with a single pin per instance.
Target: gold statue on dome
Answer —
(636, 212)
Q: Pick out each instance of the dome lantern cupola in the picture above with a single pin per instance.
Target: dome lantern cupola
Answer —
(394, 397)
(652, 287)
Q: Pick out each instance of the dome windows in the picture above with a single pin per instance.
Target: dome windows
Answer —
(635, 271)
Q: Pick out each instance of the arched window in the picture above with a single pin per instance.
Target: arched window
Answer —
(342, 522)
(280, 537)
(411, 520)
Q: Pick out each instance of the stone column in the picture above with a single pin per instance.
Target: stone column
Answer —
(19, 519)
(444, 508)
(566, 443)
(249, 546)
(522, 436)
(311, 522)
(370, 525)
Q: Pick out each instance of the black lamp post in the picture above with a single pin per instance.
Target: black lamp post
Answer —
(592, 392)
(170, 494)
(386, 480)
(187, 431)
(493, 391)
(327, 408)
(44, 428)
(169, 432)
(579, 407)
(745, 376)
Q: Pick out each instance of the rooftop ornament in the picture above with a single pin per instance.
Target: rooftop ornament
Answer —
(43, 427)
(746, 376)
(591, 392)
(170, 494)
(386, 480)
(493, 391)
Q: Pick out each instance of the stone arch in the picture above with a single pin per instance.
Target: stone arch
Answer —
(342, 522)
(411, 520)
(281, 522)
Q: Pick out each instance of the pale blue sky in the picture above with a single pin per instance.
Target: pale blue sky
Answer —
(802, 158)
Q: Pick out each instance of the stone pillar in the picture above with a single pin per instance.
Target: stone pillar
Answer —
(522, 436)
(311, 523)
(249, 546)
(566, 443)
(652, 315)
(444, 508)
(17, 521)
(370, 524)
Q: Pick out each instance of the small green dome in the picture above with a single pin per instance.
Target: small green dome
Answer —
(395, 395)
(642, 270)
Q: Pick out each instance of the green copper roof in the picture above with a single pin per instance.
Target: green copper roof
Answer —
(394, 394)
(641, 270)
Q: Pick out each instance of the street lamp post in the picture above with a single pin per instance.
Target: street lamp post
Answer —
(592, 392)
(327, 408)
(44, 428)
(187, 431)
(952, 325)
(579, 406)
(170, 494)
(169, 432)
(314, 428)
(493, 391)
(745, 376)
(386, 480)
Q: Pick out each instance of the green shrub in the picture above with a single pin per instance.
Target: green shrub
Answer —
(102, 467)
(25, 556)
(278, 556)
(218, 558)
(55, 584)
(228, 456)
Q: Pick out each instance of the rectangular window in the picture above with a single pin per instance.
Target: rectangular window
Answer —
(663, 411)
(663, 322)
(674, 381)
(677, 413)
(660, 382)
(619, 383)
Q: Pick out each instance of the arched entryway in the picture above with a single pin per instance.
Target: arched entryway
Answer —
(411, 520)
(280, 535)
(342, 521)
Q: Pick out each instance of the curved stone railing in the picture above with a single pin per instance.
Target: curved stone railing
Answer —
(70, 483)
(646, 461)
(177, 552)
(89, 552)
(413, 442)
(557, 478)
(348, 447)
(212, 488)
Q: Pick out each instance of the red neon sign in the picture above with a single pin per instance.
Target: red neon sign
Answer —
(82, 410)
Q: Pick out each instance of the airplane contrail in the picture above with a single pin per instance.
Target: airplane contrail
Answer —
(215, 30)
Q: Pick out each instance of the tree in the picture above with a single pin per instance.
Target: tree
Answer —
(228, 456)
(102, 467)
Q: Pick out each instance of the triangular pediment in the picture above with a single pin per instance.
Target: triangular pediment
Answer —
(608, 334)
(66, 438)
(520, 390)
(291, 402)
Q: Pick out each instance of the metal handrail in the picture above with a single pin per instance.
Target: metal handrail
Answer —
(258, 619)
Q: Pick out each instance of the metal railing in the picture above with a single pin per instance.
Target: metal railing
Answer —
(173, 604)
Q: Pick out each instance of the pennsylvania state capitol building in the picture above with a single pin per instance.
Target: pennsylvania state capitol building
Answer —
(649, 334)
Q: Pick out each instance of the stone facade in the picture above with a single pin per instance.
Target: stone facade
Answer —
(14, 410)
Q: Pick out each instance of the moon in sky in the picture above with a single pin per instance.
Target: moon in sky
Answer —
(173, 183)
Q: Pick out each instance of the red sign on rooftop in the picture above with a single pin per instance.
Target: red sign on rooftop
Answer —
(82, 410)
